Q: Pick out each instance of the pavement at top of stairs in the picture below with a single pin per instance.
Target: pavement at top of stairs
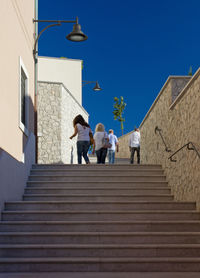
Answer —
(102, 275)
(93, 160)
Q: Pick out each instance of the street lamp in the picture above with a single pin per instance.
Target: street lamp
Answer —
(96, 87)
(76, 35)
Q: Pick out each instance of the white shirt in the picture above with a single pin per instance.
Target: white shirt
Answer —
(134, 139)
(83, 133)
(112, 140)
(98, 138)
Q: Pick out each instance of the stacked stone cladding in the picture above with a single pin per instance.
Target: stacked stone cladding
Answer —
(56, 110)
(176, 111)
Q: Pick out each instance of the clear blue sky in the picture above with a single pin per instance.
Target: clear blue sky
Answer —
(132, 48)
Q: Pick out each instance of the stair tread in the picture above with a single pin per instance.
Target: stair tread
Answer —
(98, 195)
(5, 222)
(102, 233)
(99, 259)
(98, 202)
(117, 246)
(149, 274)
(102, 188)
(101, 212)
(96, 175)
(114, 182)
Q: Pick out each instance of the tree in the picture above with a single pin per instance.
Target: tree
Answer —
(190, 71)
(119, 106)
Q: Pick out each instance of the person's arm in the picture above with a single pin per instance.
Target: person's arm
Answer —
(130, 143)
(116, 144)
(93, 151)
(75, 132)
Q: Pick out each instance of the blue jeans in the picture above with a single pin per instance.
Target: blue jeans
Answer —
(101, 155)
(82, 150)
(111, 156)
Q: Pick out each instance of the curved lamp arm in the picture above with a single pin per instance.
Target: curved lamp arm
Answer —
(36, 41)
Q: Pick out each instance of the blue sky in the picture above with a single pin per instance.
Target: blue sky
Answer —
(132, 48)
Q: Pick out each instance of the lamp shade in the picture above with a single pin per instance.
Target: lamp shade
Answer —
(97, 87)
(76, 35)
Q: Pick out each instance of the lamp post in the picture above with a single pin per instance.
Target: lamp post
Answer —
(96, 87)
(76, 36)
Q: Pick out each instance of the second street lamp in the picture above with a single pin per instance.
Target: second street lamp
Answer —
(96, 87)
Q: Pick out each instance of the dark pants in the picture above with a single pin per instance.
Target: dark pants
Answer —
(101, 155)
(132, 154)
(82, 150)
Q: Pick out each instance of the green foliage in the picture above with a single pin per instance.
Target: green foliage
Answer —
(119, 106)
(190, 71)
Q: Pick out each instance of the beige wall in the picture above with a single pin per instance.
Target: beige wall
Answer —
(16, 29)
(180, 123)
(17, 145)
(62, 70)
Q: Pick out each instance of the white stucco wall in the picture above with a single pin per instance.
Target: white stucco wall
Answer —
(62, 70)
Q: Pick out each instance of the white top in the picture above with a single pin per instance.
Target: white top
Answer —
(83, 133)
(134, 139)
(99, 139)
(112, 140)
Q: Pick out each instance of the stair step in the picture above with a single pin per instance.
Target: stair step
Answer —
(104, 274)
(98, 172)
(105, 184)
(99, 237)
(90, 205)
(96, 190)
(165, 264)
(99, 215)
(100, 226)
(97, 167)
(96, 250)
(98, 197)
(95, 178)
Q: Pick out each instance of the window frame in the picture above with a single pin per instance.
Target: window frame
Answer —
(22, 126)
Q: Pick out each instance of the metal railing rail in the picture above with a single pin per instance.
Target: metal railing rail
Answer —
(160, 130)
(190, 148)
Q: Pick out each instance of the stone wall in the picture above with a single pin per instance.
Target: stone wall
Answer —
(56, 110)
(176, 111)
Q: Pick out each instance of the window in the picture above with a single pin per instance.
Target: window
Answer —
(23, 99)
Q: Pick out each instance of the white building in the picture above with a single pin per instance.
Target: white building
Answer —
(59, 101)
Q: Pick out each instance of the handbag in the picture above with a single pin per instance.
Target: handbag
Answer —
(91, 139)
(106, 144)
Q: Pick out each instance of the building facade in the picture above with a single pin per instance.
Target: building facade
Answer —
(17, 140)
(59, 101)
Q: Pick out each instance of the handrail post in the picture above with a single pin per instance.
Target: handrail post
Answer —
(159, 130)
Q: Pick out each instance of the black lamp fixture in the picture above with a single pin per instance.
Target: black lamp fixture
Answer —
(76, 35)
(96, 87)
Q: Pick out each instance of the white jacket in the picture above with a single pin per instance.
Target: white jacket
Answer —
(134, 139)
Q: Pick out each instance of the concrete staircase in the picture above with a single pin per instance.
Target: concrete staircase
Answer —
(99, 221)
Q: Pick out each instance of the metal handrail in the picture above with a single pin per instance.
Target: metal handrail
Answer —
(159, 130)
(193, 148)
